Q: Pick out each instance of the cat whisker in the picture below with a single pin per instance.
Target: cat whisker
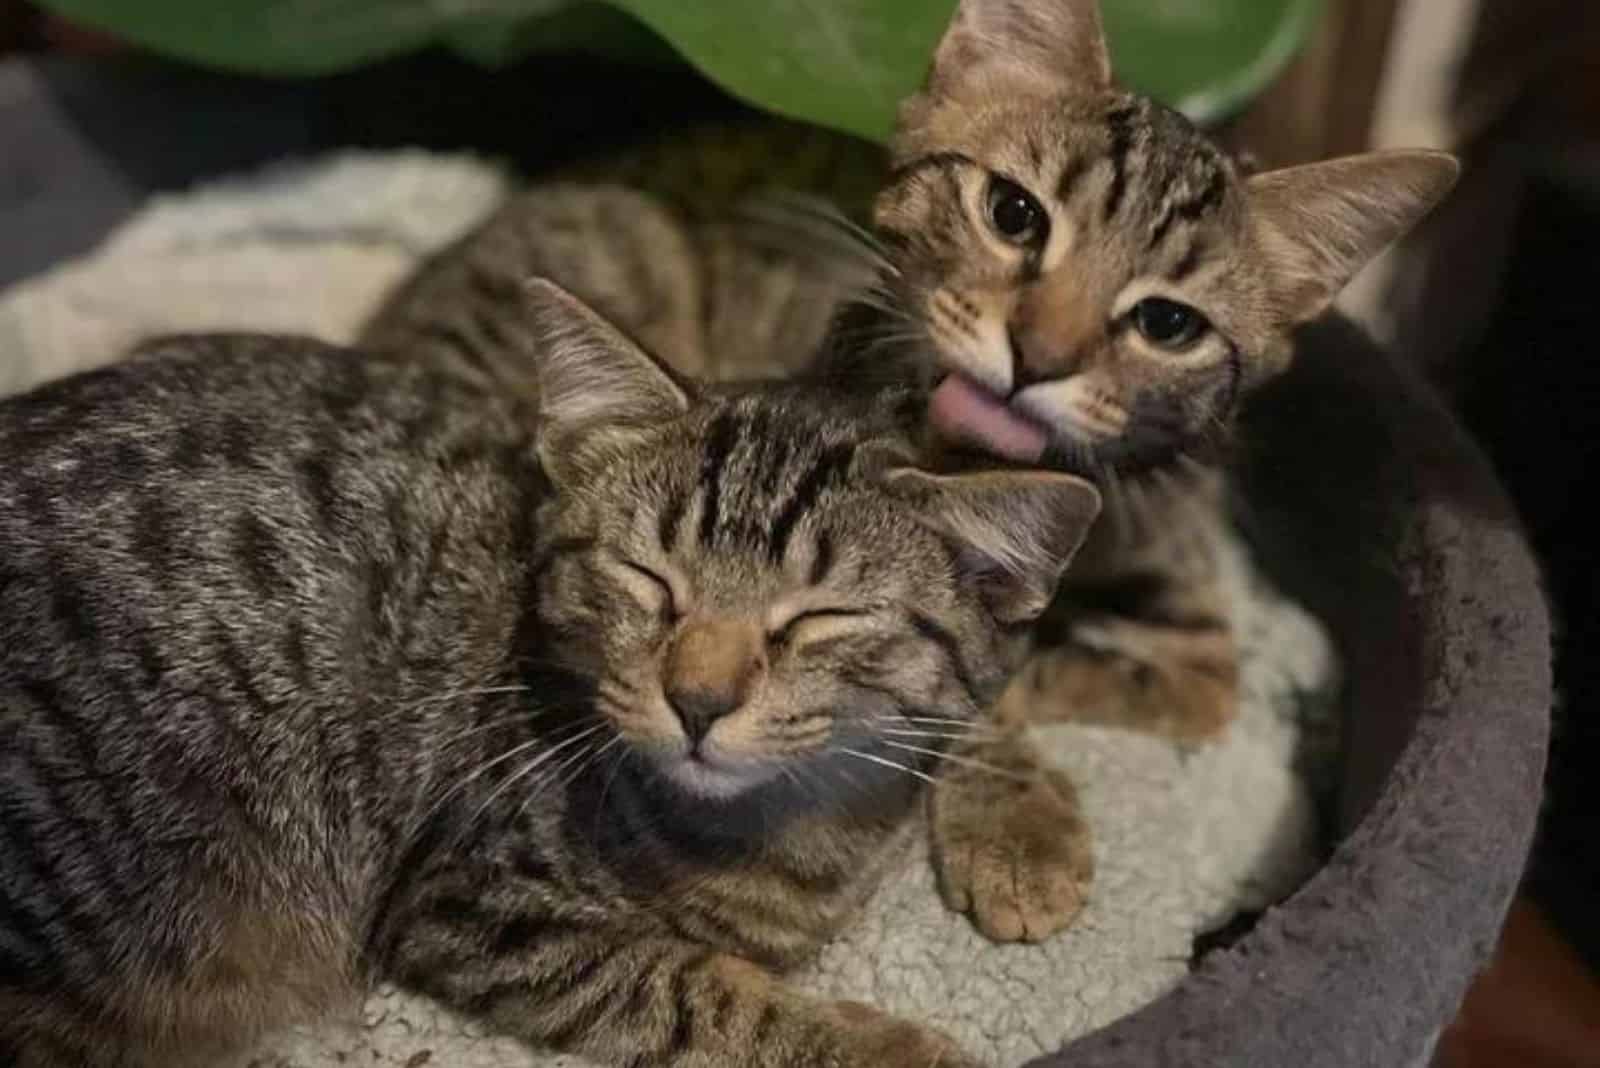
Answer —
(818, 218)
(936, 735)
(964, 761)
(826, 210)
(873, 758)
(955, 727)
(560, 778)
(479, 691)
(818, 240)
(528, 768)
(605, 787)
(482, 769)
(512, 719)
(956, 721)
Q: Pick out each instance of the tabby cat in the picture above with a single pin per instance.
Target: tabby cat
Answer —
(585, 711)
(1080, 279)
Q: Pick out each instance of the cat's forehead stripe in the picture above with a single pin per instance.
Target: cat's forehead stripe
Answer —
(762, 469)
(830, 468)
(1119, 126)
(1192, 208)
(720, 441)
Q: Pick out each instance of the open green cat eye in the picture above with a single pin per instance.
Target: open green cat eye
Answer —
(1014, 213)
(1168, 324)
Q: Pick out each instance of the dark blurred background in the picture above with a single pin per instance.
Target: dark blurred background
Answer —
(1495, 300)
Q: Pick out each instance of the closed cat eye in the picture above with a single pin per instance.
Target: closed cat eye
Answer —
(1168, 324)
(811, 623)
(1014, 213)
(669, 605)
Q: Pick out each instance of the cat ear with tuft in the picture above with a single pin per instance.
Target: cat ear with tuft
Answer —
(1060, 43)
(1014, 532)
(1318, 224)
(595, 383)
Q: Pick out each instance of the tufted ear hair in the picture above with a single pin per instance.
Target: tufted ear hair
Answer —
(1059, 43)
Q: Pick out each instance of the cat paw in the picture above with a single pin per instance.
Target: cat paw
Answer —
(1014, 857)
(874, 1039)
(1189, 697)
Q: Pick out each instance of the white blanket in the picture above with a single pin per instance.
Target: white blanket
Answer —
(1182, 840)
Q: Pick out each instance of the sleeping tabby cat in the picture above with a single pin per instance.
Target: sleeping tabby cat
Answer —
(1089, 282)
(585, 710)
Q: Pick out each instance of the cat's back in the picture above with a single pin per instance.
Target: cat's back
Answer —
(228, 565)
(215, 495)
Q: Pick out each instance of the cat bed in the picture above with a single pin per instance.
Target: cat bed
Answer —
(1418, 569)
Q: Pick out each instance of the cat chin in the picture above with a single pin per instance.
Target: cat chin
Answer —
(715, 781)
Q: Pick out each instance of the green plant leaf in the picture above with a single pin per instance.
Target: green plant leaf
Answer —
(838, 63)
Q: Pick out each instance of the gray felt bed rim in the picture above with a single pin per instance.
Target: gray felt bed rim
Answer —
(1410, 550)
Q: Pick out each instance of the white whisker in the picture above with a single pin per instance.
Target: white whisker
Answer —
(936, 734)
(480, 770)
(883, 761)
(966, 762)
(528, 768)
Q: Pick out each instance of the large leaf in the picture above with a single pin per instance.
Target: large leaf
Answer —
(840, 63)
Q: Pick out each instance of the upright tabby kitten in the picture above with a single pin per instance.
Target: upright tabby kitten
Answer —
(584, 711)
(1096, 286)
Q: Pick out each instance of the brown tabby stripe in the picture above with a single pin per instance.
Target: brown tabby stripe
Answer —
(257, 548)
(1071, 175)
(830, 467)
(720, 441)
(71, 828)
(67, 929)
(120, 817)
(1189, 262)
(1193, 209)
(669, 520)
(1119, 124)
(452, 337)
(777, 462)
(822, 562)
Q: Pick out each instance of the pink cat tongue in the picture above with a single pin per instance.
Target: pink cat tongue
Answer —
(960, 410)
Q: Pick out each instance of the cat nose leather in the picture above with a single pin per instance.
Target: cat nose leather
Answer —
(1037, 358)
(710, 671)
(1054, 330)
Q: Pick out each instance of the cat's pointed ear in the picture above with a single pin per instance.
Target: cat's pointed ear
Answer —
(591, 375)
(1056, 41)
(1318, 224)
(1014, 532)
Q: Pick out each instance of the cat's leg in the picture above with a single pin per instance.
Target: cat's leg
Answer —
(1010, 848)
(642, 997)
(1141, 635)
